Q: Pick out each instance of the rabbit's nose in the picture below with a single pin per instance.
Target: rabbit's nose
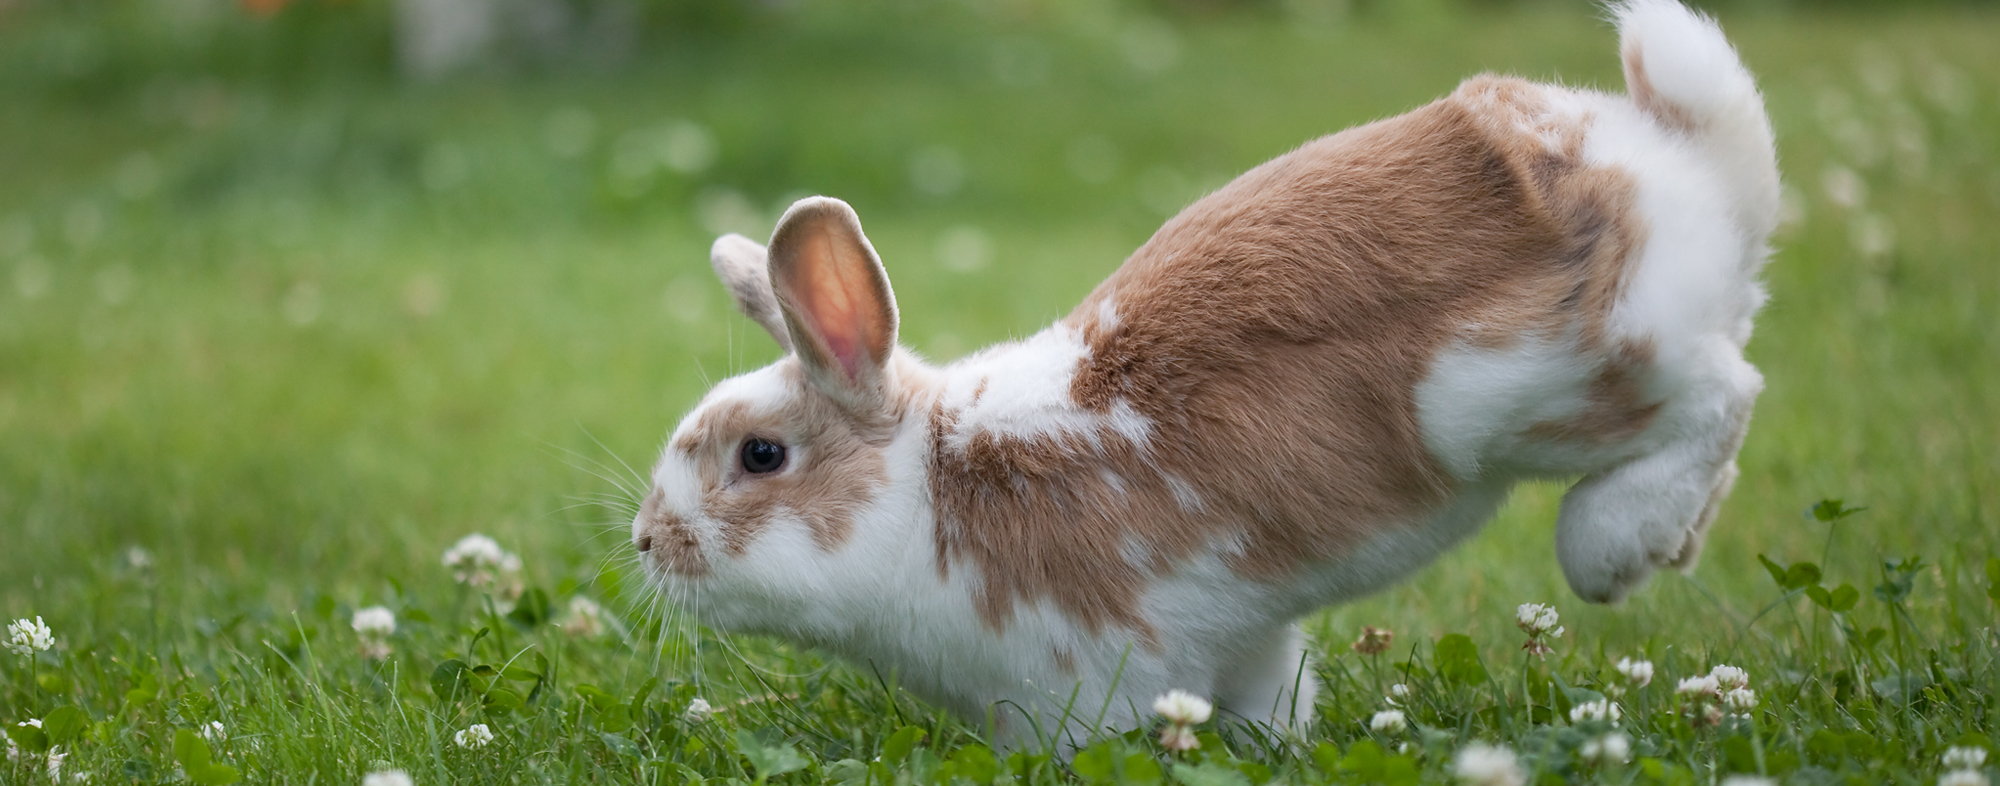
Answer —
(666, 539)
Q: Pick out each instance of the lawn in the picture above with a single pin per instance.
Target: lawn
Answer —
(277, 329)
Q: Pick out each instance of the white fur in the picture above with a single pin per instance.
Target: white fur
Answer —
(1026, 393)
(882, 600)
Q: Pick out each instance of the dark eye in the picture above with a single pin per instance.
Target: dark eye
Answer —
(762, 455)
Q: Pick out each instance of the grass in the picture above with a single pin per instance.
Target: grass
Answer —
(272, 339)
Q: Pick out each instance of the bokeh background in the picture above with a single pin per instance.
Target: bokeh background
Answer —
(294, 293)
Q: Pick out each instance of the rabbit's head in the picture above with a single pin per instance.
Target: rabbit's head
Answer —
(769, 499)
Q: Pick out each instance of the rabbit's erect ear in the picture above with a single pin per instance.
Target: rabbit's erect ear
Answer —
(836, 300)
(742, 266)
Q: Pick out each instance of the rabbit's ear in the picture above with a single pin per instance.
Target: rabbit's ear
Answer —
(836, 301)
(742, 266)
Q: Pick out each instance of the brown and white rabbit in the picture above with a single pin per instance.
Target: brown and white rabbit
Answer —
(1304, 387)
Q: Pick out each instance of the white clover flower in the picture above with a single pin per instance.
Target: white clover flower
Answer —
(1748, 780)
(1963, 778)
(1601, 710)
(473, 737)
(375, 622)
(26, 638)
(1730, 678)
(479, 562)
(1537, 619)
(374, 625)
(1540, 622)
(1389, 722)
(1398, 693)
(585, 618)
(54, 765)
(387, 778)
(1480, 764)
(1637, 672)
(1176, 737)
(1964, 758)
(1699, 686)
(697, 711)
(1610, 748)
(1182, 708)
(1740, 700)
(214, 732)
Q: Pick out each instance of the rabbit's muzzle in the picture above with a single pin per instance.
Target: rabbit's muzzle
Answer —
(666, 541)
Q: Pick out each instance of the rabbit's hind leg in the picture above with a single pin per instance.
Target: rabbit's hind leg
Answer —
(1620, 523)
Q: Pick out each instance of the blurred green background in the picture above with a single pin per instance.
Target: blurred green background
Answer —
(293, 294)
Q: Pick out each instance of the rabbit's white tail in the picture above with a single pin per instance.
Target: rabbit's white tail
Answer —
(1682, 71)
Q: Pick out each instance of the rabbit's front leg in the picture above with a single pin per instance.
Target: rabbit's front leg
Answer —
(1271, 684)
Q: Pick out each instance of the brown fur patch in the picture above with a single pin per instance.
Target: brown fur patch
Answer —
(1640, 87)
(1065, 660)
(1275, 333)
(1616, 408)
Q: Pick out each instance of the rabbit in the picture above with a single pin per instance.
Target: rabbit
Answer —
(1305, 386)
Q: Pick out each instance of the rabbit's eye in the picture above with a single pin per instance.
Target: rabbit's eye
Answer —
(762, 455)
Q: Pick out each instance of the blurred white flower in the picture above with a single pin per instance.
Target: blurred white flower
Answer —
(1539, 621)
(697, 711)
(1872, 234)
(1964, 758)
(1176, 737)
(26, 638)
(1480, 764)
(1398, 693)
(387, 778)
(585, 618)
(1182, 707)
(1637, 672)
(1701, 699)
(473, 737)
(214, 732)
(376, 621)
(1182, 710)
(478, 561)
(1613, 747)
(1730, 678)
(1740, 700)
(1388, 721)
(1844, 187)
(1601, 710)
(1535, 618)
(374, 625)
(1748, 780)
(1699, 686)
(1963, 778)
